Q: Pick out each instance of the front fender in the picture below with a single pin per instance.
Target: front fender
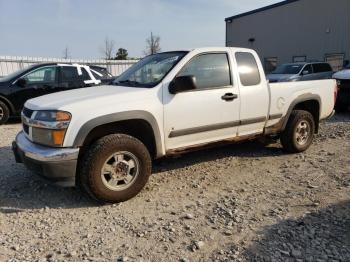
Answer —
(116, 117)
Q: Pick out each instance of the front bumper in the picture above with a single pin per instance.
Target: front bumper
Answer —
(58, 165)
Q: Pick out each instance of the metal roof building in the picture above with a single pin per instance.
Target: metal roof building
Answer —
(295, 31)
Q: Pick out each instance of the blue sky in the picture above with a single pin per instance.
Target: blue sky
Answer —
(45, 27)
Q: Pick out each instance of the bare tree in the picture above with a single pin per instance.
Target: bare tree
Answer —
(108, 48)
(66, 53)
(153, 45)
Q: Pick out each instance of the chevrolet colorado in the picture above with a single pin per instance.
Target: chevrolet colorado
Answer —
(105, 138)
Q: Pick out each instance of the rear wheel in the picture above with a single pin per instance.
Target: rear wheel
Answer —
(116, 168)
(4, 113)
(299, 132)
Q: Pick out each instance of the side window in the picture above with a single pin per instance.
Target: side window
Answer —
(42, 75)
(248, 69)
(69, 73)
(270, 64)
(322, 67)
(210, 70)
(307, 68)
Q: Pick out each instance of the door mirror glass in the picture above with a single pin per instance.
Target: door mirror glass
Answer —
(182, 84)
(21, 82)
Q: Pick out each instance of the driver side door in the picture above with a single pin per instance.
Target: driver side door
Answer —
(38, 82)
(208, 113)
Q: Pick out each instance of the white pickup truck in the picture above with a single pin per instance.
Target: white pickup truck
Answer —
(105, 138)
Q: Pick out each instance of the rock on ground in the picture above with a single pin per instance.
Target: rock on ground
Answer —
(235, 203)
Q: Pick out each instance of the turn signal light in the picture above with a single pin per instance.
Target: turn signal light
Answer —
(62, 116)
(58, 137)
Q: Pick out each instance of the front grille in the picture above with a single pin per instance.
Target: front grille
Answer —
(27, 112)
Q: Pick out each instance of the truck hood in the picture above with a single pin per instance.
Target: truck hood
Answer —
(342, 75)
(279, 77)
(86, 97)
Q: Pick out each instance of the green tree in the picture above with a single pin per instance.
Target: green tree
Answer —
(122, 54)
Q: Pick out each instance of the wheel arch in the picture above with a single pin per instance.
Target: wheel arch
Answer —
(139, 124)
(8, 104)
(308, 102)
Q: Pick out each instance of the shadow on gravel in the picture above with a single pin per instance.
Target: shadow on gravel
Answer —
(252, 149)
(21, 190)
(13, 120)
(340, 118)
(322, 235)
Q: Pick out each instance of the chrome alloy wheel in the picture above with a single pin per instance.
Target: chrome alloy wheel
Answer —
(302, 133)
(120, 171)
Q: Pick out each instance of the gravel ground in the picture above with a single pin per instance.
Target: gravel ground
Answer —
(240, 202)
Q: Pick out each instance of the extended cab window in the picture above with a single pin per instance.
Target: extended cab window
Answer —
(210, 70)
(42, 75)
(248, 69)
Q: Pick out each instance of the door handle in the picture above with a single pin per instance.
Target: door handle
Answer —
(229, 97)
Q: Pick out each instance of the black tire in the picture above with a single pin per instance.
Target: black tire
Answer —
(4, 113)
(290, 137)
(91, 177)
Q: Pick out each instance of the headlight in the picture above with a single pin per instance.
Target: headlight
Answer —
(48, 127)
(52, 116)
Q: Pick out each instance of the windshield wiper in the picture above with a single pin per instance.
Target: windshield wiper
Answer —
(130, 82)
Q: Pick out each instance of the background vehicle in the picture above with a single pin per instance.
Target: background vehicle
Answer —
(301, 72)
(343, 81)
(104, 75)
(42, 79)
(104, 138)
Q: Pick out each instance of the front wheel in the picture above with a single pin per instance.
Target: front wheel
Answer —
(4, 113)
(116, 168)
(299, 132)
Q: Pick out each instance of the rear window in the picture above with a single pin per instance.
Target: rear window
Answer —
(322, 67)
(248, 69)
(102, 71)
(85, 74)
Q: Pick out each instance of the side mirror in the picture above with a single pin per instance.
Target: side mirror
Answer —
(305, 72)
(182, 84)
(22, 82)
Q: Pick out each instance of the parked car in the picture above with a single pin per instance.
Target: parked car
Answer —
(101, 73)
(42, 79)
(343, 80)
(104, 138)
(301, 72)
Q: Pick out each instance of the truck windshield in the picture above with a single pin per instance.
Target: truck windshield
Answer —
(150, 71)
(288, 69)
